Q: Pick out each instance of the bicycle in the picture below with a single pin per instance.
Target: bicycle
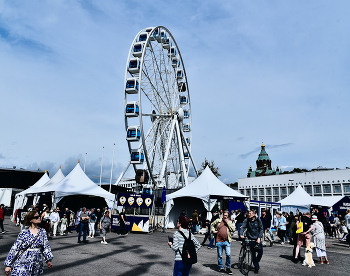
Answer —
(245, 257)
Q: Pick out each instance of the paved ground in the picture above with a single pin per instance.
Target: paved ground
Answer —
(149, 254)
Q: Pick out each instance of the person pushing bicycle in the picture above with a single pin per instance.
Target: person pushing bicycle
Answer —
(254, 230)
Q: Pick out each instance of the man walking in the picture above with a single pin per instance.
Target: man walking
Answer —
(122, 220)
(223, 229)
(84, 222)
(254, 232)
(54, 220)
(239, 222)
(215, 216)
(266, 221)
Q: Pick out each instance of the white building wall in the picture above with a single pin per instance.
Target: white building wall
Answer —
(316, 183)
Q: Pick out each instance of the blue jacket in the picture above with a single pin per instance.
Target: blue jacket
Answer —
(282, 223)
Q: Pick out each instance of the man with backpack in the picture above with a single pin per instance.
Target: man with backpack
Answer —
(223, 228)
(186, 247)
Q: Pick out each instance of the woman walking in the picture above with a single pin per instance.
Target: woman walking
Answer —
(25, 256)
(45, 220)
(319, 240)
(180, 268)
(105, 225)
(92, 224)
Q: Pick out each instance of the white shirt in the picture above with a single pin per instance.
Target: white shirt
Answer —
(54, 217)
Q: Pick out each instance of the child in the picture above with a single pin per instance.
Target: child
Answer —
(343, 230)
(64, 224)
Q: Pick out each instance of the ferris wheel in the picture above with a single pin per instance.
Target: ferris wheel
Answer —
(158, 109)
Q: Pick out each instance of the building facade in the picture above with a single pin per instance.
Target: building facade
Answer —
(267, 184)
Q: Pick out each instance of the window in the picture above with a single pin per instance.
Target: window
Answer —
(336, 189)
(308, 189)
(248, 192)
(268, 199)
(255, 198)
(291, 190)
(242, 192)
(275, 191)
(254, 192)
(268, 191)
(317, 189)
(327, 189)
(275, 198)
(261, 192)
(346, 188)
(283, 191)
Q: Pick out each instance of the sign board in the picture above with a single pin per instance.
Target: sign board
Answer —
(135, 200)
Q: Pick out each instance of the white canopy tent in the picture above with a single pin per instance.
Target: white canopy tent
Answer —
(300, 201)
(76, 183)
(207, 187)
(51, 183)
(5, 196)
(21, 199)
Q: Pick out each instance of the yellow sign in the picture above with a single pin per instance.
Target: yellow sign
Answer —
(139, 201)
(122, 200)
(148, 201)
(131, 200)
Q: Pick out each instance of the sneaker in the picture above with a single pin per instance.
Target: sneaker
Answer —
(221, 270)
(271, 244)
(105, 242)
(320, 262)
(282, 243)
(228, 271)
(79, 241)
(327, 262)
(256, 270)
(102, 242)
(92, 237)
(209, 247)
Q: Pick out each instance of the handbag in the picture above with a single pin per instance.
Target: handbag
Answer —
(299, 227)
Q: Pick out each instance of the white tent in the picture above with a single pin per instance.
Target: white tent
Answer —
(21, 199)
(55, 179)
(300, 201)
(5, 196)
(206, 186)
(76, 183)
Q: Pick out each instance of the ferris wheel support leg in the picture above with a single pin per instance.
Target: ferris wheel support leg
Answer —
(167, 150)
(122, 174)
(188, 150)
(182, 158)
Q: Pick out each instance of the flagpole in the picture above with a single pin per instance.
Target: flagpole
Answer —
(110, 181)
(103, 149)
(85, 161)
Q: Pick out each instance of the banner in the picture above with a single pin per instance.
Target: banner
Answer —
(135, 200)
(132, 223)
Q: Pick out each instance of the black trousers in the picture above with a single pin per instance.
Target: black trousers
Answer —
(281, 234)
(2, 225)
(122, 228)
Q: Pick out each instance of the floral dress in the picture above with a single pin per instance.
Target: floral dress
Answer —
(30, 262)
(318, 235)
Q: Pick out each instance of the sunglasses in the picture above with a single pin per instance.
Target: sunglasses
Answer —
(36, 217)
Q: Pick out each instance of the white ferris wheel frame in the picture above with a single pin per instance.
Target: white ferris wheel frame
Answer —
(175, 116)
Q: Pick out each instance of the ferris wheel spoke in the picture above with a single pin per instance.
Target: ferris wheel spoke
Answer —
(154, 89)
(160, 74)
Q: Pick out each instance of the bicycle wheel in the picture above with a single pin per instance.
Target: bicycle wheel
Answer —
(241, 256)
(247, 262)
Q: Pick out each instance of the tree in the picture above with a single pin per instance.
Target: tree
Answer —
(211, 165)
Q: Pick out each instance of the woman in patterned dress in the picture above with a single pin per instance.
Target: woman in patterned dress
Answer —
(319, 240)
(25, 256)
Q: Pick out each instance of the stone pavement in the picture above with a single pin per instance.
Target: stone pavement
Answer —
(149, 254)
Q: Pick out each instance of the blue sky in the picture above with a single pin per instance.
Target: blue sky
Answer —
(272, 71)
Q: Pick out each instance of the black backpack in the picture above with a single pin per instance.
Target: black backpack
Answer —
(188, 254)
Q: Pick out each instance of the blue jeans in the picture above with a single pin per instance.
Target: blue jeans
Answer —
(256, 255)
(83, 229)
(239, 226)
(212, 240)
(181, 269)
(227, 246)
(272, 237)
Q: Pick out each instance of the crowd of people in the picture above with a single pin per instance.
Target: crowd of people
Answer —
(296, 229)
